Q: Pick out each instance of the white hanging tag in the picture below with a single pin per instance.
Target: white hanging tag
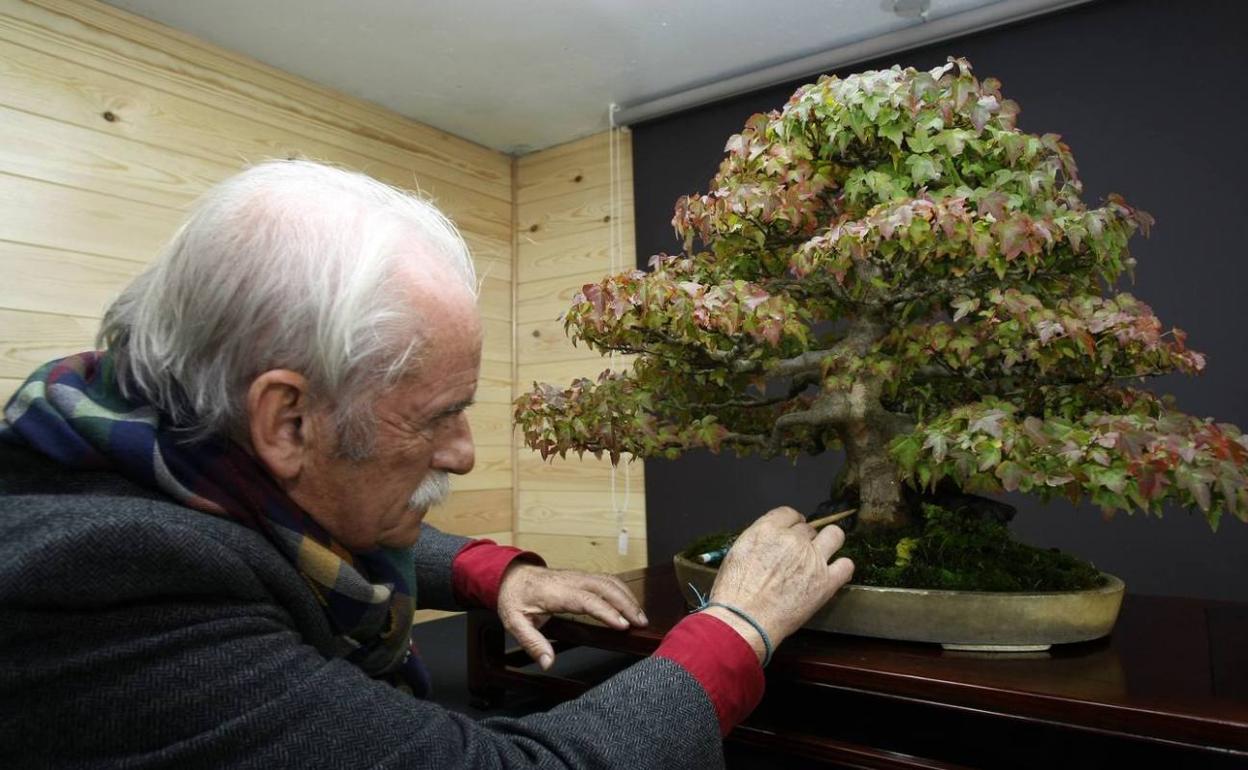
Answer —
(621, 543)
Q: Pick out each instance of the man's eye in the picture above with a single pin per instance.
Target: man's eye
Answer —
(451, 415)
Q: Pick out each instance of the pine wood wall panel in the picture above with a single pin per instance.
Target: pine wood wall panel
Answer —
(210, 127)
(36, 147)
(69, 218)
(146, 45)
(8, 387)
(490, 423)
(568, 168)
(110, 125)
(574, 512)
(543, 301)
(30, 339)
(580, 212)
(495, 384)
(546, 256)
(596, 554)
(478, 514)
(564, 508)
(47, 280)
(573, 473)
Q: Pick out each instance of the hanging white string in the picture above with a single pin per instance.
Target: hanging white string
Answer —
(615, 255)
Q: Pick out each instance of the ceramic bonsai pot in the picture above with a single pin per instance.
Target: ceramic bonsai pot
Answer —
(957, 620)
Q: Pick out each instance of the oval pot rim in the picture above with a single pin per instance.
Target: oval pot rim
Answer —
(1113, 585)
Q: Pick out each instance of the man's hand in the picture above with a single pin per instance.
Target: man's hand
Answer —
(529, 595)
(778, 573)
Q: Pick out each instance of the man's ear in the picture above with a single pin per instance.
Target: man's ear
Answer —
(279, 422)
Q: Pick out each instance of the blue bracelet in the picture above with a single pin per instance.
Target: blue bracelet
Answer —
(704, 603)
(741, 614)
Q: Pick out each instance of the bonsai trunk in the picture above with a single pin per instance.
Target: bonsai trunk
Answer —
(881, 502)
(870, 467)
(866, 435)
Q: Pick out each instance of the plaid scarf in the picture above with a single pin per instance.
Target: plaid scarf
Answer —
(73, 411)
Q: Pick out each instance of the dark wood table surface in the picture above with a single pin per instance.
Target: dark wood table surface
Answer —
(1168, 687)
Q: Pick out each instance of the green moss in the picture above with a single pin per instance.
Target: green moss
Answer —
(952, 551)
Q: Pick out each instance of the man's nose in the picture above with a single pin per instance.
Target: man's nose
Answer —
(457, 453)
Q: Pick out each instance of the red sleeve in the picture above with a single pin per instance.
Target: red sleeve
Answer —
(722, 662)
(478, 568)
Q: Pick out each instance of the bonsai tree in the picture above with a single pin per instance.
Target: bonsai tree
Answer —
(889, 266)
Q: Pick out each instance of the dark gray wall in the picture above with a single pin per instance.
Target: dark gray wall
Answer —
(1150, 96)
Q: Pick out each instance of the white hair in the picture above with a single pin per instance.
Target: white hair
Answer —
(432, 492)
(291, 265)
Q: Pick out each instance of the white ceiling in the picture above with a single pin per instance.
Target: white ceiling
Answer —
(521, 76)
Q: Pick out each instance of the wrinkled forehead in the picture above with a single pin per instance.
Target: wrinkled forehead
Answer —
(448, 312)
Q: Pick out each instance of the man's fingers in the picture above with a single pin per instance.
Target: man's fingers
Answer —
(588, 603)
(531, 640)
(613, 590)
(784, 516)
(842, 571)
(829, 541)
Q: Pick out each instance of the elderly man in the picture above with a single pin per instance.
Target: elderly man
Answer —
(211, 538)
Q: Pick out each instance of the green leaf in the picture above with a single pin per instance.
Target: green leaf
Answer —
(989, 456)
(1011, 474)
(893, 132)
(922, 169)
(906, 451)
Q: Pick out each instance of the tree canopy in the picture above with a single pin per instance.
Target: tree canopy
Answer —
(889, 265)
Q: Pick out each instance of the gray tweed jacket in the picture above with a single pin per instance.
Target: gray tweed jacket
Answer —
(135, 632)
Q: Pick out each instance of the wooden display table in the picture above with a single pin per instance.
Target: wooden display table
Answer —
(1168, 689)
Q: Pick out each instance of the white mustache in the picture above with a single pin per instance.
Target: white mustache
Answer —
(433, 491)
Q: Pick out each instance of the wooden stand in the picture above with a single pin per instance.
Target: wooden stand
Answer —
(1168, 689)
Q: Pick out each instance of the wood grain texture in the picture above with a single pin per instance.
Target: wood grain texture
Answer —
(491, 471)
(587, 474)
(494, 299)
(494, 385)
(41, 279)
(80, 89)
(473, 512)
(8, 386)
(70, 219)
(592, 554)
(573, 167)
(490, 423)
(497, 341)
(559, 257)
(491, 256)
(42, 148)
(548, 299)
(28, 340)
(567, 512)
(546, 341)
(578, 211)
(188, 60)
